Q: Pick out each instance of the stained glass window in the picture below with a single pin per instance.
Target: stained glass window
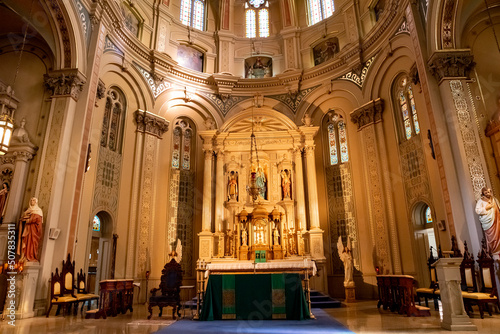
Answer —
(96, 224)
(344, 155)
(112, 124)
(186, 157)
(193, 13)
(406, 102)
(413, 110)
(337, 142)
(320, 10)
(177, 148)
(332, 143)
(254, 24)
(263, 23)
(428, 215)
(251, 24)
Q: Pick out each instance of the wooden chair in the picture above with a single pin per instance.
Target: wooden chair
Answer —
(57, 296)
(171, 280)
(488, 292)
(81, 291)
(432, 292)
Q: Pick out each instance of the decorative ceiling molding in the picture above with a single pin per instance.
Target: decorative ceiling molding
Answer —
(403, 29)
(358, 77)
(224, 103)
(292, 100)
(156, 85)
(109, 46)
(63, 30)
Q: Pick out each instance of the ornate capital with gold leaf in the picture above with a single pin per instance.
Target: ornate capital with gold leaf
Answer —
(451, 64)
(369, 113)
(150, 123)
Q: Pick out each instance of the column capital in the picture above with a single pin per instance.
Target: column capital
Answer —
(451, 64)
(150, 123)
(101, 90)
(209, 153)
(369, 113)
(67, 82)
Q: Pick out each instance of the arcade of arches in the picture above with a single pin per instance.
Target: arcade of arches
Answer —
(375, 121)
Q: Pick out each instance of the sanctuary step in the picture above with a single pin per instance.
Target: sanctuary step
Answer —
(320, 300)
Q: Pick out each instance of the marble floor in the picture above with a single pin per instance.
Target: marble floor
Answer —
(359, 317)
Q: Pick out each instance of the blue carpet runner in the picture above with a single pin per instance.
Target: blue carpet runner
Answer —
(322, 324)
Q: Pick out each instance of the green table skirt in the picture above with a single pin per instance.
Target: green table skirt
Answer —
(255, 297)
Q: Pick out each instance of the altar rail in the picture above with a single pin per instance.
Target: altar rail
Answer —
(396, 292)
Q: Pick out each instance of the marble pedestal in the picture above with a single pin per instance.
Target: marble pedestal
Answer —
(350, 293)
(454, 316)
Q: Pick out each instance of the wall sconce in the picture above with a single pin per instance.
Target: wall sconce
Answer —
(6, 120)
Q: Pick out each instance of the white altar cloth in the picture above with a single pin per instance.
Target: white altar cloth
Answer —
(281, 265)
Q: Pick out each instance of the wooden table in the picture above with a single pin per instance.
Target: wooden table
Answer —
(116, 296)
(396, 292)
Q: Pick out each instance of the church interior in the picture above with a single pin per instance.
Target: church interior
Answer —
(341, 141)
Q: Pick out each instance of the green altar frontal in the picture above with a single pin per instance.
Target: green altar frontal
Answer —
(254, 297)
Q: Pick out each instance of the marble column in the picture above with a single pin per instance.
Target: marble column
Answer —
(452, 69)
(220, 185)
(150, 128)
(55, 184)
(368, 118)
(205, 236)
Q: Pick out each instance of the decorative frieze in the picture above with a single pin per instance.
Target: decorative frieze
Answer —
(370, 113)
(451, 64)
(65, 83)
(150, 123)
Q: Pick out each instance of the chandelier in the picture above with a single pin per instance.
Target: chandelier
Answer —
(7, 106)
(253, 189)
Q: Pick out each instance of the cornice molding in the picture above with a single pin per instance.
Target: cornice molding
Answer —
(367, 114)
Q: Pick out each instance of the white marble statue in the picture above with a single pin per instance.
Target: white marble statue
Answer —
(345, 254)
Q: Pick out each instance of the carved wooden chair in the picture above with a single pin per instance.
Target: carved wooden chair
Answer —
(468, 278)
(57, 296)
(81, 291)
(171, 280)
(432, 292)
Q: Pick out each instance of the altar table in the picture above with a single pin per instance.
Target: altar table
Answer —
(255, 297)
(116, 296)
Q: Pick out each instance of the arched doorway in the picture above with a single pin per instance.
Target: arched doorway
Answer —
(425, 237)
(100, 250)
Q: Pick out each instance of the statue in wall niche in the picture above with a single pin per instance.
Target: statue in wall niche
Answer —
(488, 209)
(30, 232)
(244, 237)
(276, 235)
(3, 199)
(260, 181)
(345, 255)
(229, 243)
(232, 186)
(286, 183)
(291, 241)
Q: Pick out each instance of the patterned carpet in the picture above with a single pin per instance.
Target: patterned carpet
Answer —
(322, 324)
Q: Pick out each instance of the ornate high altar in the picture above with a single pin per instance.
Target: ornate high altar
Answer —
(254, 204)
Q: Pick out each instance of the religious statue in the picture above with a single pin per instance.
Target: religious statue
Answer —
(229, 243)
(285, 183)
(232, 186)
(259, 234)
(260, 181)
(177, 253)
(244, 237)
(3, 199)
(30, 232)
(276, 235)
(345, 254)
(487, 208)
(291, 241)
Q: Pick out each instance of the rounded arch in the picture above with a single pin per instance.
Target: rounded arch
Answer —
(418, 214)
(258, 112)
(106, 223)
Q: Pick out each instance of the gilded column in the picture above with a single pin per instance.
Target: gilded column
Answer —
(299, 189)
(205, 236)
(219, 192)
